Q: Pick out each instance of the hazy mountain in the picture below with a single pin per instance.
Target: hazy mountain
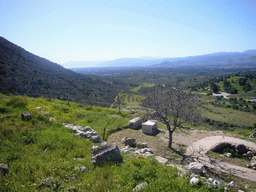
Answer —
(216, 59)
(24, 73)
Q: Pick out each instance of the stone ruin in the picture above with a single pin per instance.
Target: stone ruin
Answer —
(241, 150)
(135, 123)
(149, 127)
(85, 132)
(105, 152)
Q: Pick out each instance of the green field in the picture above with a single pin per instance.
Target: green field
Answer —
(42, 151)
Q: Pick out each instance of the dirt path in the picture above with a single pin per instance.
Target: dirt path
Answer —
(198, 150)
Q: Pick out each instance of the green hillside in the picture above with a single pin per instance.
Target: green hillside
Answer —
(42, 151)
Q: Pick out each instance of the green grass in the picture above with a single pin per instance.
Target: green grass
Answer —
(39, 151)
(236, 117)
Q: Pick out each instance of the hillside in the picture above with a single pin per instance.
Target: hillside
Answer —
(24, 73)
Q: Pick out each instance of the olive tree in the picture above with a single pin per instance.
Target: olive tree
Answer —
(173, 105)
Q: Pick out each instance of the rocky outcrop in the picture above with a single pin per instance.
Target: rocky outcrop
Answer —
(26, 116)
(140, 186)
(105, 152)
(129, 141)
(196, 167)
(4, 168)
(85, 132)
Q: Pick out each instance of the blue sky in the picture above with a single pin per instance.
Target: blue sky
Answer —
(97, 30)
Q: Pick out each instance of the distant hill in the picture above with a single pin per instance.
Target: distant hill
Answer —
(223, 59)
(216, 59)
(24, 73)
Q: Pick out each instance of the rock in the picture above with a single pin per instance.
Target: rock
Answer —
(146, 150)
(161, 160)
(140, 186)
(229, 154)
(83, 168)
(142, 145)
(41, 185)
(240, 190)
(26, 116)
(129, 141)
(74, 176)
(71, 189)
(194, 181)
(253, 135)
(231, 184)
(135, 123)
(253, 161)
(105, 152)
(216, 183)
(196, 167)
(148, 154)
(249, 154)
(4, 168)
(96, 139)
(241, 148)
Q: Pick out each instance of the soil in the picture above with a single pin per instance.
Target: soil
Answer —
(189, 142)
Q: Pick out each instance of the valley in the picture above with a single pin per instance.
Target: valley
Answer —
(42, 155)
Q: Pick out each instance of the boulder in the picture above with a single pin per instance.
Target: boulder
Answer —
(196, 167)
(135, 123)
(241, 148)
(4, 168)
(253, 161)
(194, 181)
(216, 183)
(105, 152)
(26, 116)
(142, 145)
(161, 160)
(140, 186)
(129, 141)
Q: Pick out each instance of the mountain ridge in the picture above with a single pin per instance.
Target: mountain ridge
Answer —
(24, 73)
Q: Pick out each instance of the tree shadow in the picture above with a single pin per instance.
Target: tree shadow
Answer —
(185, 158)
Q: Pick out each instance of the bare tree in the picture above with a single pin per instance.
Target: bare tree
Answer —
(174, 106)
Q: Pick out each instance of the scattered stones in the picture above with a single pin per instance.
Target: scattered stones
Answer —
(194, 181)
(196, 167)
(4, 168)
(161, 160)
(253, 135)
(216, 183)
(229, 154)
(140, 186)
(81, 168)
(253, 162)
(6, 117)
(26, 116)
(135, 123)
(142, 145)
(129, 141)
(105, 152)
(85, 132)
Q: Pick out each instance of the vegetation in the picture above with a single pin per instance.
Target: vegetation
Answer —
(41, 151)
(173, 106)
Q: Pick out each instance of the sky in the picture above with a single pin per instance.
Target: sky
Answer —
(97, 30)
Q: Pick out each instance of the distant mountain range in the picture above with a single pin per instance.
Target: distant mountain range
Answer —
(24, 73)
(222, 58)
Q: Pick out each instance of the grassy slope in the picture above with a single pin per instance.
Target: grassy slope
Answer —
(23, 147)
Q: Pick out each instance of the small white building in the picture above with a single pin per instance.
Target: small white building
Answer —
(149, 127)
